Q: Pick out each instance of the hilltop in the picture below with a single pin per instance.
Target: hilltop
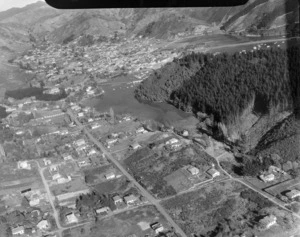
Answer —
(25, 26)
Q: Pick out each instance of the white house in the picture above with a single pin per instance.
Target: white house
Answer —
(47, 162)
(92, 152)
(159, 229)
(130, 199)
(293, 194)
(71, 218)
(67, 157)
(95, 126)
(24, 165)
(117, 199)
(110, 175)
(56, 176)
(213, 172)
(172, 141)
(42, 225)
(63, 180)
(103, 210)
(267, 178)
(18, 230)
(64, 132)
(111, 141)
(80, 142)
(141, 130)
(193, 170)
(80, 115)
(268, 221)
(135, 146)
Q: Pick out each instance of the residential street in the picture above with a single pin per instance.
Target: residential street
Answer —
(129, 177)
(264, 194)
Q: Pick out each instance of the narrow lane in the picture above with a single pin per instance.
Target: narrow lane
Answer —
(253, 188)
(129, 177)
(51, 198)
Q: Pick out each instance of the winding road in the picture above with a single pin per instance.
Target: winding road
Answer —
(143, 191)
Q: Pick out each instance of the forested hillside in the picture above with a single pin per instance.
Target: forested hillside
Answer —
(283, 139)
(225, 84)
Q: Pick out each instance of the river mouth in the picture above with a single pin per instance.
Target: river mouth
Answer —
(120, 97)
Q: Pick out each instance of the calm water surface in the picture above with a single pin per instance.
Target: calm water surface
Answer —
(121, 99)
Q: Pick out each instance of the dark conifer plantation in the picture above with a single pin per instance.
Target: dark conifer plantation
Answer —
(223, 85)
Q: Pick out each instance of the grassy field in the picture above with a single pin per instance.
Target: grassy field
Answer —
(124, 224)
(224, 208)
(152, 168)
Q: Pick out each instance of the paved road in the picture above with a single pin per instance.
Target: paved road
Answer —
(129, 177)
(232, 45)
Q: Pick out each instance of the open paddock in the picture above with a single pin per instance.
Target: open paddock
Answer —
(132, 222)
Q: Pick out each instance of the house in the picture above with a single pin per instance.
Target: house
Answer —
(141, 130)
(24, 165)
(75, 107)
(111, 141)
(160, 229)
(47, 162)
(274, 169)
(110, 175)
(172, 141)
(80, 148)
(82, 163)
(126, 118)
(176, 145)
(135, 146)
(18, 230)
(91, 92)
(80, 142)
(268, 221)
(71, 218)
(92, 152)
(53, 168)
(117, 199)
(80, 115)
(130, 199)
(185, 133)
(157, 227)
(43, 224)
(63, 180)
(103, 210)
(20, 132)
(293, 194)
(64, 131)
(53, 91)
(34, 201)
(213, 172)
(90, 120)
(67, 157)
(95, 126)
(114, 135)
(267, 178)
(56, 176)
(193, 170)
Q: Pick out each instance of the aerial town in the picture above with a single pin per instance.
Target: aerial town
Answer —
(70, 169)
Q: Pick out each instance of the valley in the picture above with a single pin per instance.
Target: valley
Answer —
(150, 122)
